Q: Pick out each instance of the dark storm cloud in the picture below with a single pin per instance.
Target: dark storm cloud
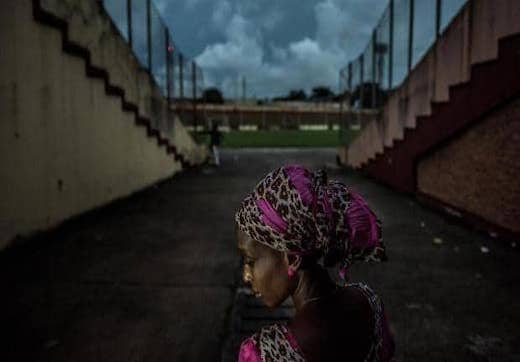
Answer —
(276, 45)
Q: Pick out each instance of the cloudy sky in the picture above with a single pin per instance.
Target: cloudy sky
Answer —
(278, 45)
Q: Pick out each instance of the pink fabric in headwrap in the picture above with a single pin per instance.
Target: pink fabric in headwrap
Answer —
(302, 182)
(270, 216)
(364, 229)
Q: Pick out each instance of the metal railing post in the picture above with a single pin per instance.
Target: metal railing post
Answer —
(340, 81)
(410, 38)
(374, 38)
(181, 76)
(361, 80)
(129, 21)
(168, 59)
(149, 32)
(341, 100)
(438, 13)
(391, 46)
(194, 93)
(172, 57)
(350, 77)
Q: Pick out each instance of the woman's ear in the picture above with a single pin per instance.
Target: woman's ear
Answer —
(293, 260)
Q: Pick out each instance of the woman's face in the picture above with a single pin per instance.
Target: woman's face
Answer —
(265, 269)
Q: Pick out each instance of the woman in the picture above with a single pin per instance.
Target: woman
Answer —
(290, 228)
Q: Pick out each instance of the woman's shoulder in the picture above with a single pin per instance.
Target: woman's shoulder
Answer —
(351, 322)
(383, 346)
(367, 293)
(360, 329)
(271, 343)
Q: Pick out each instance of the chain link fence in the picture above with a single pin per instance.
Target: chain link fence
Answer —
(141, 25)
(405, 32)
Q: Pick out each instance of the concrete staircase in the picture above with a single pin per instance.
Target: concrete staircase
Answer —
(62, 15)
(491, 84)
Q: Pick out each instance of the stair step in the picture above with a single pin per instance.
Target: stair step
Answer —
(438, 106)
(69, 46)
(491, 83)
(420, 119)
(482, 68)
(509, 44)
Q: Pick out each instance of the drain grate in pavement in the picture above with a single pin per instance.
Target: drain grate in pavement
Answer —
(248, 316)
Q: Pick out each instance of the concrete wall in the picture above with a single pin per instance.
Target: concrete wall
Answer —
(471, 38)
(369, 139)
(89, 27)
(491, 20)
(479, 172)
(67, 146)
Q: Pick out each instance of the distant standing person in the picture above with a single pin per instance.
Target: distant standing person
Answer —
(215, 138)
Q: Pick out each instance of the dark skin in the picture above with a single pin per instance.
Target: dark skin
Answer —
(329, 321)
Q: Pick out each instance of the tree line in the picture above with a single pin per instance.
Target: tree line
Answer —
(318, 94)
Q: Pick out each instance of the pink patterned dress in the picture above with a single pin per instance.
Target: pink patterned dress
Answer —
(277, 343)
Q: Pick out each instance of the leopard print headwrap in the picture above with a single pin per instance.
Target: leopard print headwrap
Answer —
(294, 210)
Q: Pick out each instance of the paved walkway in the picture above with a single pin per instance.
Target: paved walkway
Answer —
(153, 277)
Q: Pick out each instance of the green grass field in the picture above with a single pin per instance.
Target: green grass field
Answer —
(282, 138)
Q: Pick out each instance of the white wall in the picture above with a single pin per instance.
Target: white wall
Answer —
(65, 145)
